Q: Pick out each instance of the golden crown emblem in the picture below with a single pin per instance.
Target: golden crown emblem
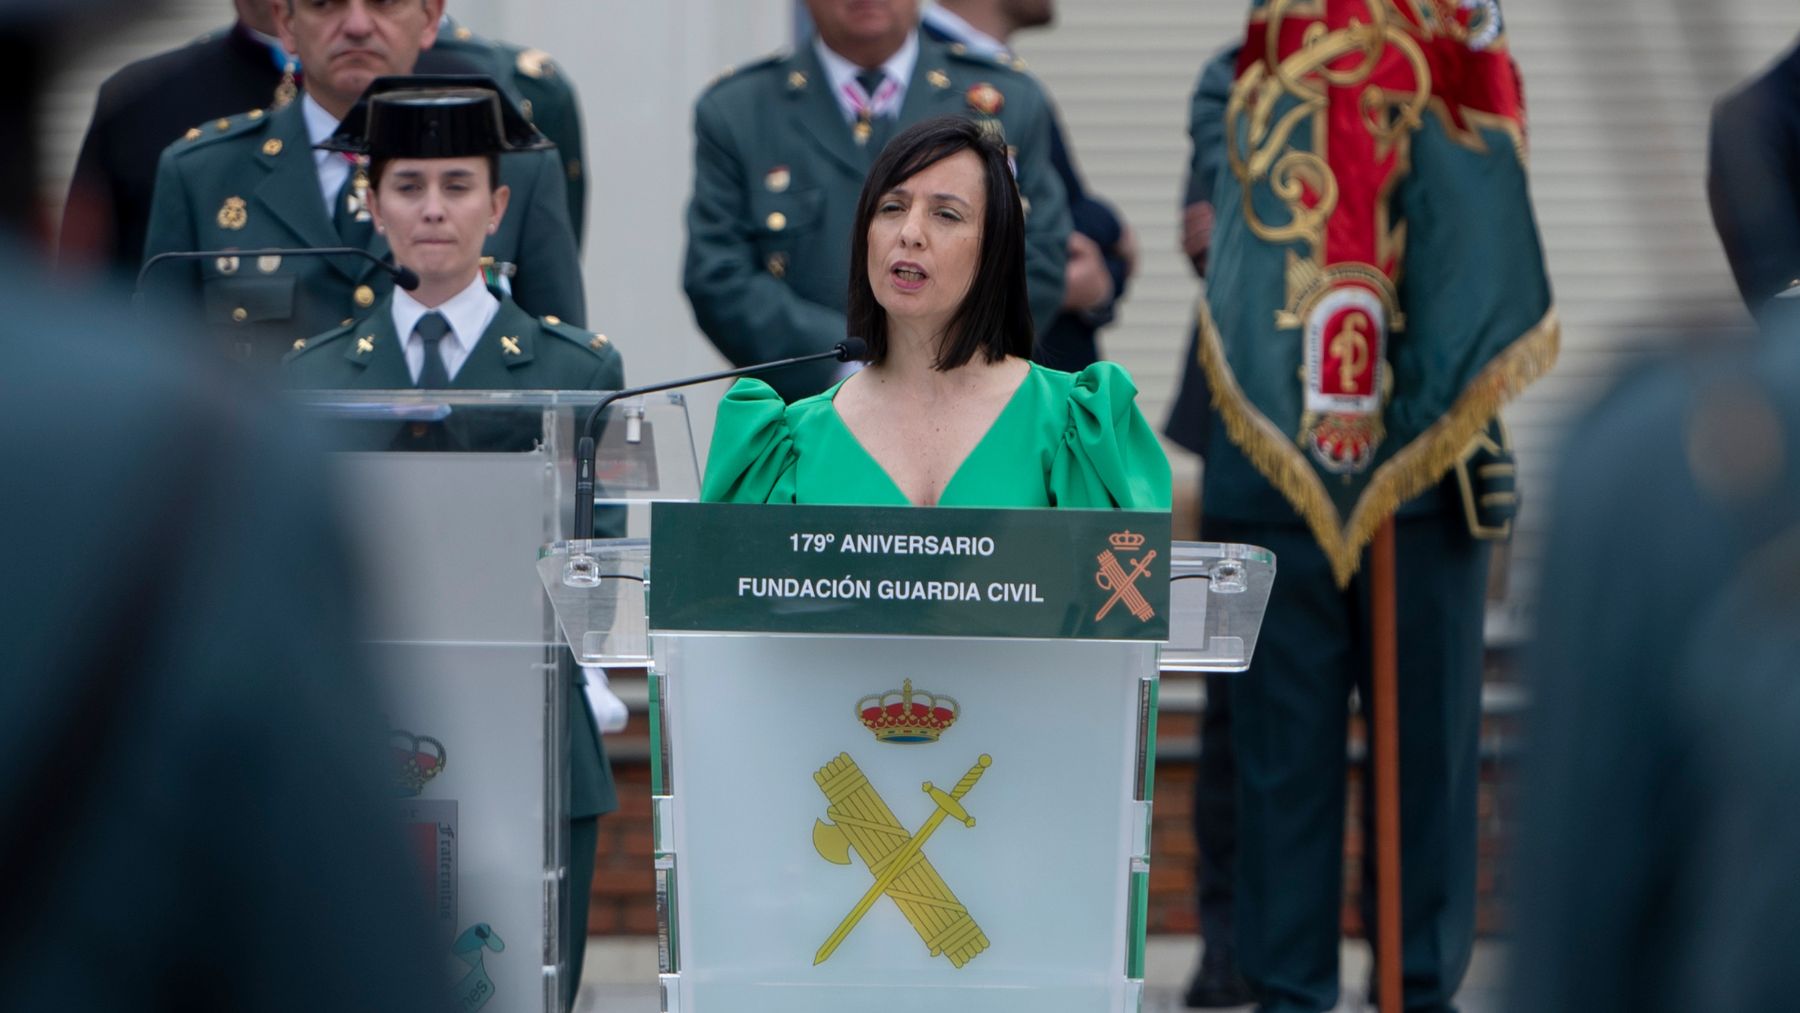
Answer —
(903, 716)
(1126, 541)
(417, 759)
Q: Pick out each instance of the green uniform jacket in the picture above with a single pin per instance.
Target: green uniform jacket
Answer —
(539, 88)
(551, 355)
(249, 182)
(777, 174)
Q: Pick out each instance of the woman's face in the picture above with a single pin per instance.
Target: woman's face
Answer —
(437, 212)
(925, 241)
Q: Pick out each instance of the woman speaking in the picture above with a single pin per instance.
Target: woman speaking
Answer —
(950, 410)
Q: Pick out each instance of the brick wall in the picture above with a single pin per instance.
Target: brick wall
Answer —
(624, 901)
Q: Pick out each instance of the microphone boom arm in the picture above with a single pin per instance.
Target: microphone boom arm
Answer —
(844, 351)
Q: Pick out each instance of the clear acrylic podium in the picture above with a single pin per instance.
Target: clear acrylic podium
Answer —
(933, 795)
(451, 495)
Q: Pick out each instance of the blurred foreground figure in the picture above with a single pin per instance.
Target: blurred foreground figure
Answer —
(190, 772)
(1659, 828)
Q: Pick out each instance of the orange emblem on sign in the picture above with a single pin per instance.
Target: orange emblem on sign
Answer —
(1114, 576)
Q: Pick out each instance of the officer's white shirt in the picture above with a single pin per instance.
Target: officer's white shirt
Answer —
(333, 168)
(840, 73)
(469, 313)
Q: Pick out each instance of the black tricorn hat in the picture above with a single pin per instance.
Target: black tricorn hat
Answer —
(434, 116)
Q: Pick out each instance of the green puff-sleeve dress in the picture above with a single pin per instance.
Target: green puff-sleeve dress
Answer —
(1072, 440)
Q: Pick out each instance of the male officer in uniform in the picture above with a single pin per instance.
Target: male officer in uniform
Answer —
(152, 102)
(1102, 248)
(432, 151)
(1286, 723)
(255, 180)
(780, 151)
(542, 92)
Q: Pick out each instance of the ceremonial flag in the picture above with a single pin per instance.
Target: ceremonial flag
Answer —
(1377, 288)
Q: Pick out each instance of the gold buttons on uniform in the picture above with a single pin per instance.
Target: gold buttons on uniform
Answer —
(240, 314)
(299, 343)
(255, 114)
(365, 296)
(272, 146)
(938, 79)
(269, 264)
(598, 342)
(222, 124)
(192, 134)
(776, 221)
(553, 320)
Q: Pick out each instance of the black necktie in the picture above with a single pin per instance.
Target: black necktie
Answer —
(431, 329)
(871, 81)
(879, 126)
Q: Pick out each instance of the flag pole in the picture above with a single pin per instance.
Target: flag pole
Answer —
(1385, 766)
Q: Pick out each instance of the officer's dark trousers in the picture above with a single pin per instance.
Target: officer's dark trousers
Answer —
(584, 838)
(1288, 727)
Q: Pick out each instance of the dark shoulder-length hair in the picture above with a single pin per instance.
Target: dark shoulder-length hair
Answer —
(995, 316)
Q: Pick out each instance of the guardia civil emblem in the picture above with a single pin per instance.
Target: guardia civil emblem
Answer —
(233, 214)
(858, 823)
(1120, 579)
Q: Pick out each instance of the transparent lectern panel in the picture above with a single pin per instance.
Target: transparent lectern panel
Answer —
(597, 589)
(644, 447)
(1216, 599)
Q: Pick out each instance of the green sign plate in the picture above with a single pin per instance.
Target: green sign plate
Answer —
(904, 571)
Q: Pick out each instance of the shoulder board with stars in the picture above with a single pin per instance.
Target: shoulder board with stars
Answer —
(767, 60)
(535, 63)
(596, 343)
(303, 345)
(986, 61)
(219, 129)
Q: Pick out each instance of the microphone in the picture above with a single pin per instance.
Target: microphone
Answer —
(403, 276)
(848, 350)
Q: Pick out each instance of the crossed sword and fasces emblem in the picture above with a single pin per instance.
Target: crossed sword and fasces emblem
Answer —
(863, 823)
(1114, 578)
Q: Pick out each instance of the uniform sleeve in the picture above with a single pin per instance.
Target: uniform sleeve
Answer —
(1109, 457)
(1206, 123)
(748, 313)
(1047, 225)
(549, 279)
(752, 454)
(172, 290)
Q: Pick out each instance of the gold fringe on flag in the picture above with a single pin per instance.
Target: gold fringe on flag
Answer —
(1415, 468)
